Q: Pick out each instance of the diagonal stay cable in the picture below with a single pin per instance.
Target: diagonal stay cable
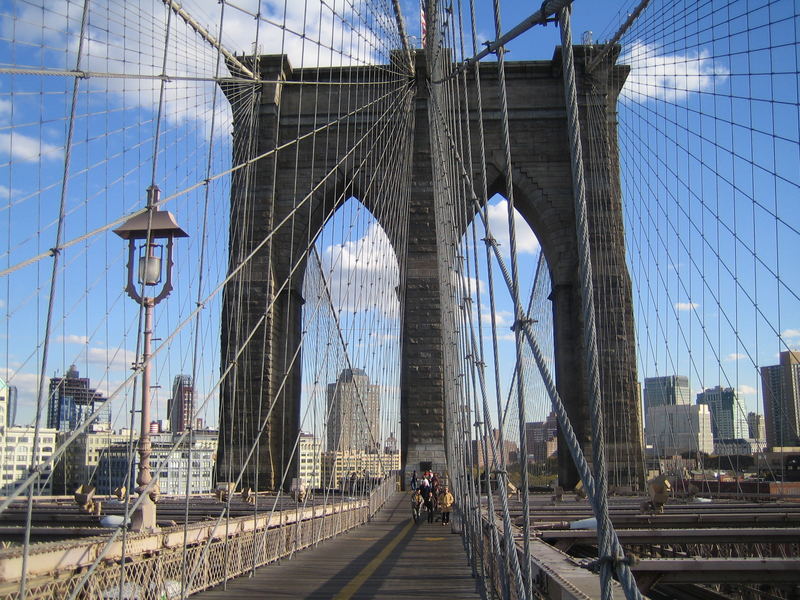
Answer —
(179, 440)
(165, 344)
(623, 570)
(196, 185)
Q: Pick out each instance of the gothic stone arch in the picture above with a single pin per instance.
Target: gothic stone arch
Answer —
(543, 193)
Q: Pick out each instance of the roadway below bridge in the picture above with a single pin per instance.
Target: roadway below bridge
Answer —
(390, 557)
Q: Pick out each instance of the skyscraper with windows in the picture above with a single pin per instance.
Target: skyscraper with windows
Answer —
(353, 413)
(669, 390)
(728, 419)
(16, 451)
(11, 415)
(780, 385)
(677, 428)
(181, 406)
(71, 400)
(755, 427)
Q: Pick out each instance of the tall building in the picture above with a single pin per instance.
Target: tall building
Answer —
(309, 468)
(16, 451)
(669, 390)
(541, 431)
(678, 428)
(727, 413)
(11, 409)
(510, 450)
(755, 427)
(4, 403)
(72, 400)
(181, 406)
(540, 437)
(353, 413)
(780, 385)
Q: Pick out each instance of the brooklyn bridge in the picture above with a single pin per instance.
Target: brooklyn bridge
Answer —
(311, 257)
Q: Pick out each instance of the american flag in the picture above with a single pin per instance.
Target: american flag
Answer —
(423, 8)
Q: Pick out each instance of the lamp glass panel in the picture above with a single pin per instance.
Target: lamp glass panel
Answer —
(150, 266)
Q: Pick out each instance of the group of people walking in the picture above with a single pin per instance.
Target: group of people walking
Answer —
(429, 493)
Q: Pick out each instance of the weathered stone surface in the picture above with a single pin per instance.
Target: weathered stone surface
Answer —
(309, 180)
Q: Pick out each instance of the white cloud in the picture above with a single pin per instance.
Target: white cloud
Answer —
(123, 42)
(73, 339)
(734, 356)
(791, 333)
(5, 107)
(25, 148)
(669, 77)
(746, 390)
(363, 274)
(5, 191)
(686, 306)
(114, 359)
(498, 224)
(503, 317)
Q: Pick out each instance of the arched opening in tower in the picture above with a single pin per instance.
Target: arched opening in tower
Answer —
(351, 350)
(492, 328)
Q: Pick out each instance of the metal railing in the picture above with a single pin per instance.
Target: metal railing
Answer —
(153, 566)
(554, 573)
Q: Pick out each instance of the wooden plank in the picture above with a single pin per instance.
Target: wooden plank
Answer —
(424, 560)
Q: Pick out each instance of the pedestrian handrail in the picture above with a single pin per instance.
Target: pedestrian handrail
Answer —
(154, 563)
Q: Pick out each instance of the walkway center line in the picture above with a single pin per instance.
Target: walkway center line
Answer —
(356, 582)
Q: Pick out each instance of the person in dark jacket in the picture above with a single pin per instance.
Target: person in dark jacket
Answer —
(427, 498)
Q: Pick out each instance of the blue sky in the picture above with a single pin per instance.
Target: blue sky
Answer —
(692, 99)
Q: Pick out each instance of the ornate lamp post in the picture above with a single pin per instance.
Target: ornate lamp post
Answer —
(145, 234)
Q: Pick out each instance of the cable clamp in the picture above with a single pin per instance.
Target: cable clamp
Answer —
(523, 323)
(629, 559)
(55, 251)
(545, 20)
(490, 241)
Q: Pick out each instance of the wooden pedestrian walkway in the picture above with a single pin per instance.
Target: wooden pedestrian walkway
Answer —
(388, 558)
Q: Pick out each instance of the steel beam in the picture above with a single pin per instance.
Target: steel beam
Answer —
(681, 536)
(771, 571)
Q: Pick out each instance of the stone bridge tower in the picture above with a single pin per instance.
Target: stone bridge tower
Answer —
(264, 301)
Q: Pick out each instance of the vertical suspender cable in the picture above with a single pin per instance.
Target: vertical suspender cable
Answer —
(621, 566)
(200, 281)
(479, 359)
(56, 253)
(519, 316)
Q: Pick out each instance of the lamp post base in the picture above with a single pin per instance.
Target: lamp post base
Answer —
(144, 517)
